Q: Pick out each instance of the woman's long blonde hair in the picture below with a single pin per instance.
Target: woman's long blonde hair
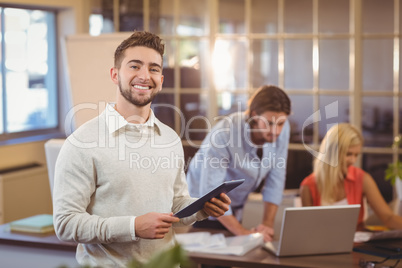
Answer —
(330, 167)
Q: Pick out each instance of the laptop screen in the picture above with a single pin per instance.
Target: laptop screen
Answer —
(318, 230)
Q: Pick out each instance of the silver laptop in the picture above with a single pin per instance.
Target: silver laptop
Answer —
(316, 230)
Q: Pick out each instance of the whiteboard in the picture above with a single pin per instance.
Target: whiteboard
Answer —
(89, 59)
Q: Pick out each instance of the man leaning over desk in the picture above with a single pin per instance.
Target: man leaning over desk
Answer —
(251, 145)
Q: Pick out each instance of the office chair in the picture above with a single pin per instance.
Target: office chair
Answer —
(52, 149)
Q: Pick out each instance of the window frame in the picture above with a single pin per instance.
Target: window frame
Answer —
(7, 138)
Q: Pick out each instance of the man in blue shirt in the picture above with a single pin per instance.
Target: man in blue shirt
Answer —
(253, 146)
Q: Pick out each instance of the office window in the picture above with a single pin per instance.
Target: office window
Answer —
(334, 64)
(28, 99)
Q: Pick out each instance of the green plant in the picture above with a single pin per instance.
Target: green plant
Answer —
(394, 170)
(171, 258)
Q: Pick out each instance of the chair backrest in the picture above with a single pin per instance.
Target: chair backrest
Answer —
(52, 149)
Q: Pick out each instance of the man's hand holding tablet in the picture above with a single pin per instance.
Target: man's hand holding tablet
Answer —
(215, 203)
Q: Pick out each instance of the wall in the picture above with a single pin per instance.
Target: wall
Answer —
(93, 76)
(22, 154)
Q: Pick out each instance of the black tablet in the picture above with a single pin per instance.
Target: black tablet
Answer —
(197, 205)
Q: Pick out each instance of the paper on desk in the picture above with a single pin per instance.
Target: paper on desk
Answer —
(370, 236)
(218, 243)
(198, 240)
(362, 237)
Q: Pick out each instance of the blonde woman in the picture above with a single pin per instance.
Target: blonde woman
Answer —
(335, 181)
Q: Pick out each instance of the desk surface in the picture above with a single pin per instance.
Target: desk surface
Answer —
(49, 241)
(260, 257)
(255, 258)
(46, 251)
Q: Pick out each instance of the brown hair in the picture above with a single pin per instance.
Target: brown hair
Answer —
(138, 38)
(268, 98)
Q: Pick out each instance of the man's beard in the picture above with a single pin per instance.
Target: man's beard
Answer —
(139, 102)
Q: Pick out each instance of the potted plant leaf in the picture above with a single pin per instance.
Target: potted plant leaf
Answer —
(174, 257)
(171, 258)
(393, 173)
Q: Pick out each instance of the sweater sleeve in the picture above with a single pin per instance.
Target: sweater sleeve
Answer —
(75, 183)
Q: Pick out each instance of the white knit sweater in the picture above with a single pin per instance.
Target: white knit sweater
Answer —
(109, 171)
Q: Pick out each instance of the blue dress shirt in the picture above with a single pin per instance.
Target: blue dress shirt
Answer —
(227, 153)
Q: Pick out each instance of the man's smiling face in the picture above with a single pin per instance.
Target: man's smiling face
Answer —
(140, 75)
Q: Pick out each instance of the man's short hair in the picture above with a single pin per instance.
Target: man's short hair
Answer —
(269, 98)
(138, 38)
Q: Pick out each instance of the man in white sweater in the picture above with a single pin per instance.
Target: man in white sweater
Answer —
(119, 177)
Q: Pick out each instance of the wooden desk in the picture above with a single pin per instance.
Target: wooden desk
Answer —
(260, 257)
(19, 250)
(49, 241)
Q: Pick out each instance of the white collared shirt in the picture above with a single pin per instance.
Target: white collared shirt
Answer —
(116, 121)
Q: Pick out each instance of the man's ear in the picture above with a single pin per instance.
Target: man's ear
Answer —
(114, 75)
(162, 79)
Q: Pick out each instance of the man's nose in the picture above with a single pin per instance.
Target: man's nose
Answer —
(144, 74)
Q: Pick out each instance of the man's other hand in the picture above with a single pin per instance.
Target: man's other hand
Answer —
(216, 207)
